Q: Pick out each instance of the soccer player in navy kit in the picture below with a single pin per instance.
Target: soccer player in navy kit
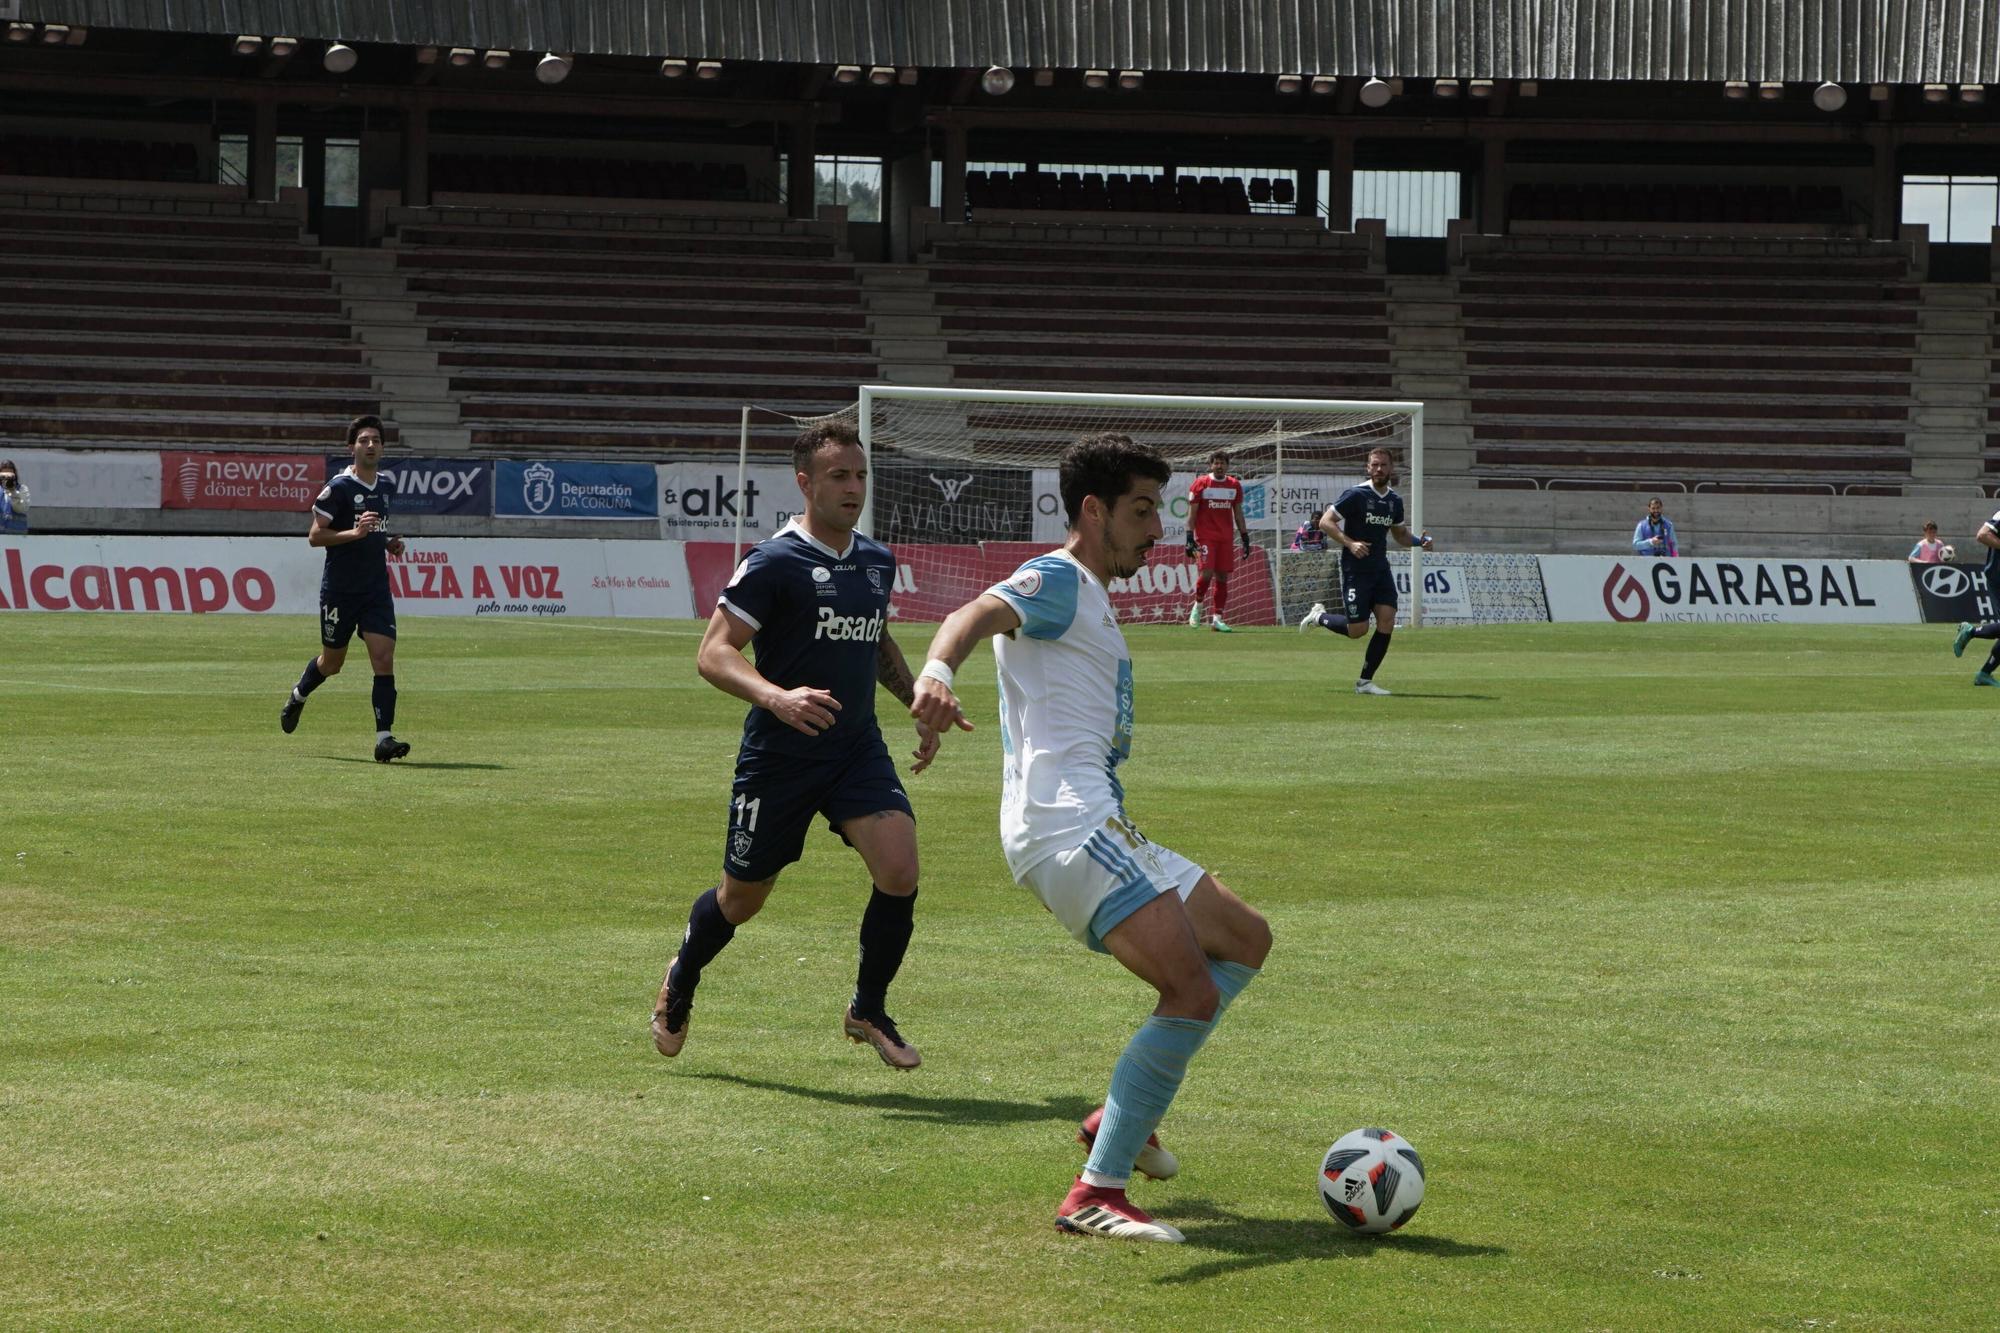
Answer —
(814, 602)
(1989, 537)
(1361, 520)
(350, 519)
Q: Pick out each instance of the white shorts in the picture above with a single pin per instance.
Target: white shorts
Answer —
(1112, 875)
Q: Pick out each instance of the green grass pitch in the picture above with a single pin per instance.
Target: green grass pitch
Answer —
(1671, 948)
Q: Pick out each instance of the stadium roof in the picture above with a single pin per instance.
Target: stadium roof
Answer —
(1855, 41)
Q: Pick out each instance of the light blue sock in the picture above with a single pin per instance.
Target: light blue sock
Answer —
(1230, 979)
(1143, 1084)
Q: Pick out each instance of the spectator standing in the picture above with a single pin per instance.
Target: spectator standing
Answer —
(13, 499)
(1655, 533)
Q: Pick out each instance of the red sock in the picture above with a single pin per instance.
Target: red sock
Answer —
(1221, 596)
(1201, 588)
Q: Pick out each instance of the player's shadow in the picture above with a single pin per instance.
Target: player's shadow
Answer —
(1421, 694)
(930, 1110)
(1259, 1242)
(402, 763)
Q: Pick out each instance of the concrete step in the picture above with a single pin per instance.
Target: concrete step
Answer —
(417, 413)
(392, 335)
(429, 438)
(415, 388)
(911, 349)
(898, 302)
(373, 311)
(370, 286)
(403, 361)
(917, 374)
(346, 261)
(903, 326)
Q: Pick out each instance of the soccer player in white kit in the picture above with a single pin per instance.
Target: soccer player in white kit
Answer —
(1066, 711)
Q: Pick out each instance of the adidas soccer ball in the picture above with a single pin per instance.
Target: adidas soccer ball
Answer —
(1950, 553)
(1372, 1181)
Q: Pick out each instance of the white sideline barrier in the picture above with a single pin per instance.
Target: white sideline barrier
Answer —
(280, 575)
(1749, 591)
(88, 479)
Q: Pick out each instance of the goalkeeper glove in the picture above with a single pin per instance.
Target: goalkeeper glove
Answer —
(1246, 543)
(1193, 547)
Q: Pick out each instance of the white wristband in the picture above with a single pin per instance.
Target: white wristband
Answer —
(937, 671)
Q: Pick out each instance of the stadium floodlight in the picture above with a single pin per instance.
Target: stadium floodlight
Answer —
(1936, 92)
(881, 75)
(708, 70)
(497, 59)
(847, 73)
(1972, 93)
(1480, 87)
(20, 32)
(55, 34)
(1291, 83)
(427, 55)
(1771, 90)
(1829, 97)
(340, 58)
(1736, 90)
(1376, 93)
(1131, 80)
(461, 56)
(247, 45)
(1444, 88)
(552, 68)
(281, 47)
(673, 67)
(997, 81)
(1324, 85)
(1097, 78)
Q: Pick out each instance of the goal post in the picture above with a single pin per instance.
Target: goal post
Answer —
(963, 484)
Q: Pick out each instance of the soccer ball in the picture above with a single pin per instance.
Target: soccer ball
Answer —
(1371, 1181)
(1950, 553)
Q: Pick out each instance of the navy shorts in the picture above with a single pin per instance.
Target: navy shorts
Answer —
(342, 613)
(1365, 585)
(775, 796)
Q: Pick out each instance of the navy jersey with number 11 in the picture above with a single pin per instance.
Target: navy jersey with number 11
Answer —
(818, 616)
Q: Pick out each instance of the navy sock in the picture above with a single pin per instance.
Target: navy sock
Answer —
(885, 936)
(311, 680)
(1378, 648)
(1990, 630)
(708, 932)
(1334, 621)
(385, 703)
(1992, 660)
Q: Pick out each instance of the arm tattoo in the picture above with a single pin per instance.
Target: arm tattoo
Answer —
(893, 672)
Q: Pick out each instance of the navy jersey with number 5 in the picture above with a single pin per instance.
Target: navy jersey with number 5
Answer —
(355, 571)
(818, 616)
(1366, 516)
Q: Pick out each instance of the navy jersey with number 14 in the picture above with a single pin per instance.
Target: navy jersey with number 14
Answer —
(817, 617)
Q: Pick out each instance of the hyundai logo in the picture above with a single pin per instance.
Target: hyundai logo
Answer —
(1946, 581)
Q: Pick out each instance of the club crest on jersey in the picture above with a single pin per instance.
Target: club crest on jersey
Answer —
(875, 578)
(1028, 582)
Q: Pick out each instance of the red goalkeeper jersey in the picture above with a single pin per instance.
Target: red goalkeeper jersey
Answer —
(1213, 503)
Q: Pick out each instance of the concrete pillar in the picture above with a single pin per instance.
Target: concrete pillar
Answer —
(908, 182)
(801, 168)
(1340, 185)
(1885, 208)
(951, 201)
(1493, 187)
(1308, 196)
(264, 151)
(416, 153)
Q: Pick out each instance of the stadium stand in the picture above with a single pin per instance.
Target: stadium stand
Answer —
(589, 177)
(990, 192)
(1693, 206)
(613, 340)
(98, 159)
(211, 327)
(1740, 361)
(1106, 308)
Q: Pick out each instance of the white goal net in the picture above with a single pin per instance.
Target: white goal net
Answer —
(963, 485)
